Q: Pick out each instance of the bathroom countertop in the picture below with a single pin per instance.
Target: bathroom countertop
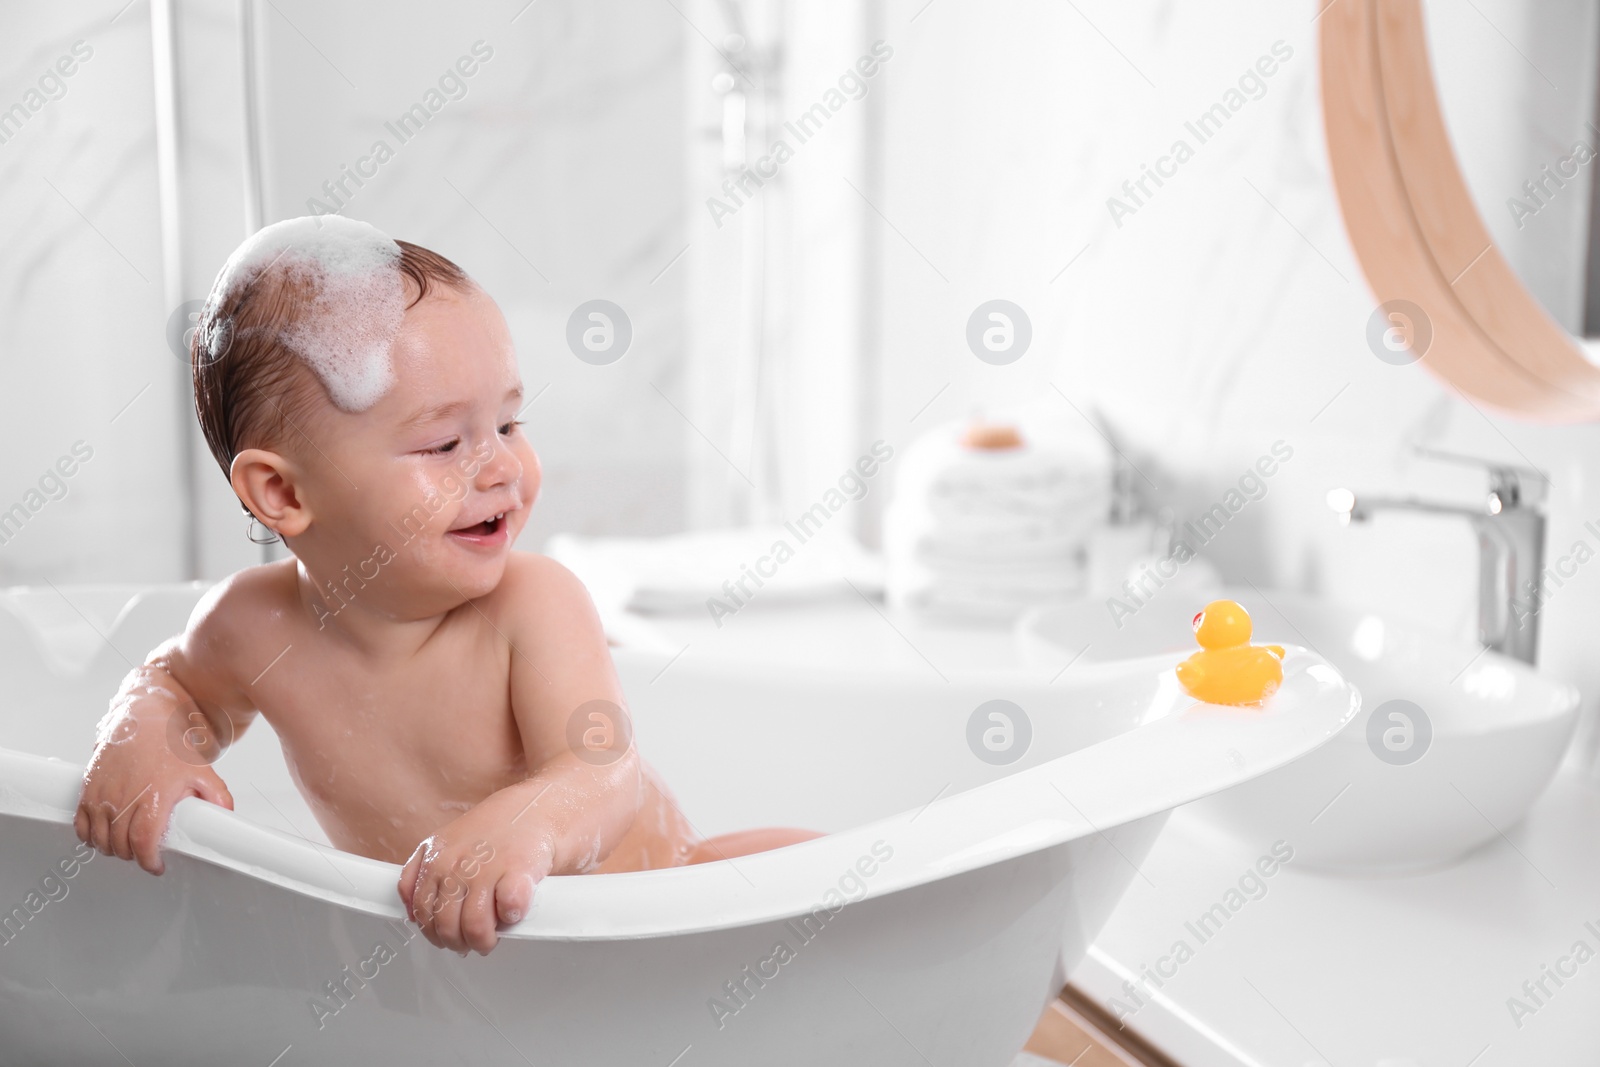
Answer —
(1367, 972)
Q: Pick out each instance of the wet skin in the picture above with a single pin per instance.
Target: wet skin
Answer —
(420, 674)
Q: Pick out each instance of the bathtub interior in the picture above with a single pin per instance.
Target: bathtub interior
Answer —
(826, 749)
(64, 650)
(741, 744)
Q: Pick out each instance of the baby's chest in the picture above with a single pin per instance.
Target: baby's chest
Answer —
(432, 728)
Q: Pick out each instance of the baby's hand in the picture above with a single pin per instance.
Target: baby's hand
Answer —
(477, 872)
(134, 780)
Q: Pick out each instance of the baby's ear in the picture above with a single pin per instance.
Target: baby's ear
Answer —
(265, 483)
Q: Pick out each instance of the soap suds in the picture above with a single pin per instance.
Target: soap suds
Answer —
(350, 272)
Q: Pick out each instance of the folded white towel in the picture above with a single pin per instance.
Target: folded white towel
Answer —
(998, 511)
(908, 530)
(985, 534)
(1046, 466)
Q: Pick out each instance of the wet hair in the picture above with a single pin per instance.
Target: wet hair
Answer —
(249, 387)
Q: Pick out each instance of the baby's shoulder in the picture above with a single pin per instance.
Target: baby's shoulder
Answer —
(536, 587)
(529, 574)
(226, 631)
(243, 605)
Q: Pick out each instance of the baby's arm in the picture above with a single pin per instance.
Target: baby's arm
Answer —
(572, 809)
(169, 721)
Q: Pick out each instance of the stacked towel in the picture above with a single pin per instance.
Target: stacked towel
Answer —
(981, 534)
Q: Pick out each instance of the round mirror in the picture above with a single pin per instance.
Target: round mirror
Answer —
(1516, 84)
(1462, 139)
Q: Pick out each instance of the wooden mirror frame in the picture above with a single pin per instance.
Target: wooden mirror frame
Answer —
(1416, 232)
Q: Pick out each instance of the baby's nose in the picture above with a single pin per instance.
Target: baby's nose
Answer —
(502, 468)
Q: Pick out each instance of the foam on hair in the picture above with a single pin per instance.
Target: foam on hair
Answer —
(351, 274)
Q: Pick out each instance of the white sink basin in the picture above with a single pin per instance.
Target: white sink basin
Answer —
(1464, 740)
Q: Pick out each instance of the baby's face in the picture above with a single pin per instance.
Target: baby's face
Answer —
(438, 471)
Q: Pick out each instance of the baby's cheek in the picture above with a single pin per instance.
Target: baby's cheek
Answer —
(420, 505)
(420, 552)
(532, 474)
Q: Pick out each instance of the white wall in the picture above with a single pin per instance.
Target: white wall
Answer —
(779, 292)
(1227, 313)
(81, 315)
(568, 154)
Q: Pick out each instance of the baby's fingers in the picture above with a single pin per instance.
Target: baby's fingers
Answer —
(214, 790)
(146, 826)
(122, 821)
(103, 827)
(408, 883)
(98, 814)
(446, 915)
(84, 820)
(478, 917)
(426, 904)
(513, 896)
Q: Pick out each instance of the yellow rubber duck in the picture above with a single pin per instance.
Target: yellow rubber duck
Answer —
(1230, 670)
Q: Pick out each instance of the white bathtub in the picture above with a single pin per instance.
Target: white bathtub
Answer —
(968, 889)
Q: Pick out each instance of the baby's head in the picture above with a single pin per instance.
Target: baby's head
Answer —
(361, 395)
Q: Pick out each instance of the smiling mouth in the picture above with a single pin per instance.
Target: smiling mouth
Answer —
(488, 528)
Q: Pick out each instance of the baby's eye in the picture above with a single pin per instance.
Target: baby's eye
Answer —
(506, 429)
(446, 448)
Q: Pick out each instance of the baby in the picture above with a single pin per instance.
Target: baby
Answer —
(442, 701)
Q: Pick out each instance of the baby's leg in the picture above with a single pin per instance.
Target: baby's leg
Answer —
(747, 842)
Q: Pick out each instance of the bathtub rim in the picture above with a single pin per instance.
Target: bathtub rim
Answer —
(1143, 771)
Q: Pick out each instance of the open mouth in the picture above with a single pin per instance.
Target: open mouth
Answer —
(489, 531)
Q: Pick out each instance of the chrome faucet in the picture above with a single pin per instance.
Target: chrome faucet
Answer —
(1511, 531)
